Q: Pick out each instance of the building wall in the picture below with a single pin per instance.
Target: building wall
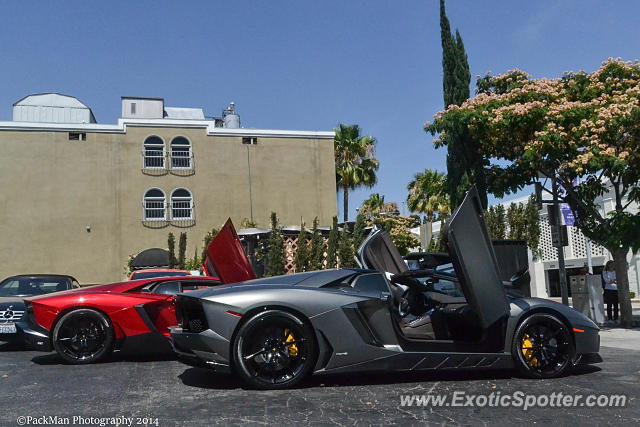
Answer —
(52, 189)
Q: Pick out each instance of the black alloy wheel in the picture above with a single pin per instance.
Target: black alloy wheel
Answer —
(543, 347)
(83, 336)
(274, 350)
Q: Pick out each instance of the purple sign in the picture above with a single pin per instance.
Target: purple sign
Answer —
(567, 213)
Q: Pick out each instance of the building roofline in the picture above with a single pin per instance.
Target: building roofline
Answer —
(121, 127)
(50, 93)
(59, 94)
(150, 98)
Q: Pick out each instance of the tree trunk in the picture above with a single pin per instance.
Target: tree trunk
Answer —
(622, 278)
(346, 203)
(429, 229)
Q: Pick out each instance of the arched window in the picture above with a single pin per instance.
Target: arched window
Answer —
(153, 153)
(181, 153)
(181, 204)
(154, 205)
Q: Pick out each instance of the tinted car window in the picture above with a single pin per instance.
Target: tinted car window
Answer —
(9, 288)
(151, 274)
(26, 286)
(371, 283)
(192, 286)
(167, 288)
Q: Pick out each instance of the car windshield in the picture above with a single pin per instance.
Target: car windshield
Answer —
(150, 274)
(30, 286)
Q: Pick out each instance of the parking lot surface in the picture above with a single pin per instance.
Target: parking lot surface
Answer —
(40, 385)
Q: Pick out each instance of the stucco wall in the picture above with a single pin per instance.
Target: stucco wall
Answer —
(52, 188)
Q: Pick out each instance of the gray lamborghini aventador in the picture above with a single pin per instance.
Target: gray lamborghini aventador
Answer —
(273, 332)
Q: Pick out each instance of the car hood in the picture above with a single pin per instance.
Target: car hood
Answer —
(110, 288)
(11, 301)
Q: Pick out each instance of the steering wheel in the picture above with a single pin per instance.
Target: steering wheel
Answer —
(403, 306)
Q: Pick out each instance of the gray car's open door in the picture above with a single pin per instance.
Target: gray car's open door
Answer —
(475, 261)
(378, 252)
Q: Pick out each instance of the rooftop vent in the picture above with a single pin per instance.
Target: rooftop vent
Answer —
(230, 118)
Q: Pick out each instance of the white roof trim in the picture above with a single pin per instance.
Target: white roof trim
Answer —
(121, 127)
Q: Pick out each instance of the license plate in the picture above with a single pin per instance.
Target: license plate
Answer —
(7, 328)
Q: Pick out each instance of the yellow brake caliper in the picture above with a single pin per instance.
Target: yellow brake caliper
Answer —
(293, 348)
(527, 350)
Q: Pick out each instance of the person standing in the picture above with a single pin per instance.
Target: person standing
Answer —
(610, 290)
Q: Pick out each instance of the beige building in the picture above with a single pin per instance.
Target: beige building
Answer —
(78, 197)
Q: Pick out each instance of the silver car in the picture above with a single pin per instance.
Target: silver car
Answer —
(274, 332)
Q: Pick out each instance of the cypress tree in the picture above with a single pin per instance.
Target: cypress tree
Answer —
(317, 247)
(171, 244)
(464, 166)
(302, 253)
(345, 252)
(276, 261)
(516, 221)
(332, 249)
(359, 231)
(207, 239)
(532, 227)
(496, 222)
(182, 251)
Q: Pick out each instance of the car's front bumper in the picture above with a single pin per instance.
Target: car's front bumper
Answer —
(588, 359)
(587, 340)
(200, 349)
(34, 336)
(8, 331)
(587, 344)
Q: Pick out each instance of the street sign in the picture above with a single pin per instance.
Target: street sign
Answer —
(569, 216)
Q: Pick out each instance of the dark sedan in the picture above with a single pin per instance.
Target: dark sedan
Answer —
(14, 289)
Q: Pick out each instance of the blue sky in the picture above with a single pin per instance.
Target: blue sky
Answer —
(300, 64)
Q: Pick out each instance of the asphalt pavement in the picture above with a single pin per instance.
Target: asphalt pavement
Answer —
(160, 388)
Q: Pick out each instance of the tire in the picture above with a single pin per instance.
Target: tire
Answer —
(263, 359)
(83, 336)
(542, 347)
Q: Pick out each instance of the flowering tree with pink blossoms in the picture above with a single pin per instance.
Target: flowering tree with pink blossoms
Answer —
(581, 128)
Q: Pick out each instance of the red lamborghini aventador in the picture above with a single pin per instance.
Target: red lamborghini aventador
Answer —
(85, 325)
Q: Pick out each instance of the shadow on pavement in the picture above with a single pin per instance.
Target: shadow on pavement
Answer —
(12, 346)
(205, 378)
(54, 359)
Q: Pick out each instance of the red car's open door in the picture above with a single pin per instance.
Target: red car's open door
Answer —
(226, 256)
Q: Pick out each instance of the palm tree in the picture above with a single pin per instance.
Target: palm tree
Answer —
(356, 164)
(428, 195)
(373, 205)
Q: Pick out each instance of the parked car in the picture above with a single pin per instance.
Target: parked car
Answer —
(85, 325)
(274, 332)
(13, 289)
(149, 273)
